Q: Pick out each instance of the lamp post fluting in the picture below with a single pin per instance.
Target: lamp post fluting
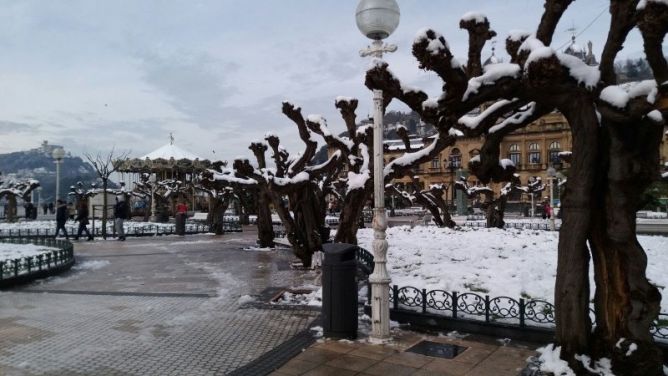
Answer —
(552, 173)
(377, 19)
(58, 155)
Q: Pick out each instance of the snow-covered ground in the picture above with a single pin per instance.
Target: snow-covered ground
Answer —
(514, 263)
(16, 251)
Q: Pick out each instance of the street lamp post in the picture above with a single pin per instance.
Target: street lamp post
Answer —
(58, 155)
(377, 19)
(551, 174)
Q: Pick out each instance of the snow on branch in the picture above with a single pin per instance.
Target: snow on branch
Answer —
(492, 73)
(409, 159)
(477, 17)
(577, 69)
(518, 118)
(619, 95)
(472, 122)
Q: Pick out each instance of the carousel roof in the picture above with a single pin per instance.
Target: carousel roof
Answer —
(166, 158)
(171, 151)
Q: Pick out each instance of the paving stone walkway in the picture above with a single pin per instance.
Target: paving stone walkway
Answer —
(194, 305)
(483, 357)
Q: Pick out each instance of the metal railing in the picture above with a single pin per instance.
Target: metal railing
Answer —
(517, 225)
(137, 230)
(469, 306)
(26, 269)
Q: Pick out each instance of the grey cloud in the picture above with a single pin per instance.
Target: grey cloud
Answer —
(194, 84)
(11, 126)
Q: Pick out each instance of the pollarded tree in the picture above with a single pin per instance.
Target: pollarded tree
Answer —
(430, 199)
(236, 177)
(356, 151)
(294, 188)
(616, 132)
(105, 165)
(219, 200)
(144, 190)
(13, 189)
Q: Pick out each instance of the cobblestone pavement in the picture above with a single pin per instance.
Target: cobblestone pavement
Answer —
(153, 306)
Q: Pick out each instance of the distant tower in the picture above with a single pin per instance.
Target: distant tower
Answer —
(492, 59)
(590, 59)
(574, 49)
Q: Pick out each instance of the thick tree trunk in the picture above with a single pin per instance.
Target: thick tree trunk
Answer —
(495, 211)
(573, 324)
(147, 210)
(350, 214)
(216, 214)
(625, 302)
(11, 208)
(265, 231)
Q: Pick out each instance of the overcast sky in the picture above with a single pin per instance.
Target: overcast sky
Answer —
(94, 74)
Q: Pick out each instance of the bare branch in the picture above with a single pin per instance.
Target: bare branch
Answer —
(621, 22)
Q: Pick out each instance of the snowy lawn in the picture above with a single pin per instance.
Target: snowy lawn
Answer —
(514, 263)
(16, 251)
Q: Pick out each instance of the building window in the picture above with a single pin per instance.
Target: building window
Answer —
(455, 158)
(436, 162)
(555, 149)
(514, 154)
(534, 153)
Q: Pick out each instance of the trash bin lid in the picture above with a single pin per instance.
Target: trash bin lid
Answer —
(338, 252)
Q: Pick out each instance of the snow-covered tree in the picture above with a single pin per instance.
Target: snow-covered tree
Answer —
(13, 189)
(105, 165)
(431, 199)
(616, 132)
(294, 188)
(356, 151)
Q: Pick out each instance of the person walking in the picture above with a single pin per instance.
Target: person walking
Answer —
(120, 213)
(181, 214)
(82, 217)
(61, 218)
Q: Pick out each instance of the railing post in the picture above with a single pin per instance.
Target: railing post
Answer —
(28, 262)
(395, 296)
(424, 300)
(486, 308)
(522, 307)
(16, 267)
(2, 270)
(454, 304)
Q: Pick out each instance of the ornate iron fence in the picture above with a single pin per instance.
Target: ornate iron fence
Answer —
(26, 269)
(521, 313)
(517, 225)
(135, 230)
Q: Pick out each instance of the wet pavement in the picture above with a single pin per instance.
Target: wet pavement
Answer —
(194, 305)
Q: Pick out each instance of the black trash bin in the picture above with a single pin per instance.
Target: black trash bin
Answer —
(180, 224)
(339, 291)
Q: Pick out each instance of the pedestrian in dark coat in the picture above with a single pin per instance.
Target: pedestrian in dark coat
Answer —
(82, 217)
(120, 214)
(61, 218)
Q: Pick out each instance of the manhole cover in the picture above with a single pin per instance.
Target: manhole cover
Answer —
(435, 349)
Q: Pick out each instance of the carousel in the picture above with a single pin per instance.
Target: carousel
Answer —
(164, 177)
